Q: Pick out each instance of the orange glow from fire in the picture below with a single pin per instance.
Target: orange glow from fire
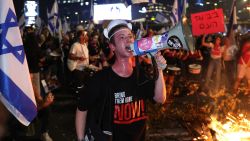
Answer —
(233, 129)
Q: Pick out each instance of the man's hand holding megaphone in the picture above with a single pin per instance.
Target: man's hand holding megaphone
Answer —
(160, 60)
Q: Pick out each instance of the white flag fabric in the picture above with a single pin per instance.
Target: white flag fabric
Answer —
(65, 26)
(38, 22)
(53, 19)
(16, 91)
(174, 15)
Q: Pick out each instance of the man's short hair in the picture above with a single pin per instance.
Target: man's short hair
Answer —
(113, 30)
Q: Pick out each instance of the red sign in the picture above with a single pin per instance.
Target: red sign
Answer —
(208, 22)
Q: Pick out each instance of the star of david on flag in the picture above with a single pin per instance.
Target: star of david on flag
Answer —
(16, 91)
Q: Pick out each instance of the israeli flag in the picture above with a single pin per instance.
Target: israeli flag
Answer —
(232, 25)
(53, 19)
(65, 26)
(174, 15)
(16, 91)
(178, 11)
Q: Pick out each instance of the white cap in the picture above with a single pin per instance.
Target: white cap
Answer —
(113, 24)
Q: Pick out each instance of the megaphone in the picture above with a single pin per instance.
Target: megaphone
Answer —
(178, 37)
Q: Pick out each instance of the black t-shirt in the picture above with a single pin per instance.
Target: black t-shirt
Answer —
(33, 53)
(128, 103)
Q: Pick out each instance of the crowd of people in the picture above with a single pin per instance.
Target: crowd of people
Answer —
(118, 89)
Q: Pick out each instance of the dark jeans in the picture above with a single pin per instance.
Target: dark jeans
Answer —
(230, 69)
(80, 77)
(43, 116)
(213, 66)
(18, 132)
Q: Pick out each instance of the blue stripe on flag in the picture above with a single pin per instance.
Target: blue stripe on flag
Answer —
(16, 97)
(51, 27)
(52, 16)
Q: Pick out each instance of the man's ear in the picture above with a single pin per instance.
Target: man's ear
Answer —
(112, 46)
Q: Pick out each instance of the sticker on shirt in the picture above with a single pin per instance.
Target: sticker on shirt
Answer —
(127, 110)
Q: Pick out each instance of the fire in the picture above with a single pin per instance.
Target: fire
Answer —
(233, 129)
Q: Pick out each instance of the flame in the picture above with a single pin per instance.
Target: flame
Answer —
(234, 129)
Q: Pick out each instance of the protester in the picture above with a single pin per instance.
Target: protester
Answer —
(243, 66)
(96, 55)
(34, 58)
(229, 64)
(124, 112)
(78, 58)
(214, 63)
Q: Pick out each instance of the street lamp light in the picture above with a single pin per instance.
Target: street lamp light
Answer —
(77, 15)
(248, 7)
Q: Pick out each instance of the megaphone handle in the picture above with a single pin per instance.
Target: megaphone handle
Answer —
(161, 66)
(155, 68)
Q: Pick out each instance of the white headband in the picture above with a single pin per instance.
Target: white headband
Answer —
(116, 32)
(113, 24)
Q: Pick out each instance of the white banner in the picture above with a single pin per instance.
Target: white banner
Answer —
(112, 11)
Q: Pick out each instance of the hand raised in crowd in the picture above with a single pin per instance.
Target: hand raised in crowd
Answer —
(49, 99)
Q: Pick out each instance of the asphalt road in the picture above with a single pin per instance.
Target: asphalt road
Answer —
(63, 114)
(61, 120)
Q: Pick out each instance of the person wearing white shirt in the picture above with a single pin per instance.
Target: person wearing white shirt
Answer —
(78, 58)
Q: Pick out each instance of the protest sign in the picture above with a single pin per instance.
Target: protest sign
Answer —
(208, 22)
